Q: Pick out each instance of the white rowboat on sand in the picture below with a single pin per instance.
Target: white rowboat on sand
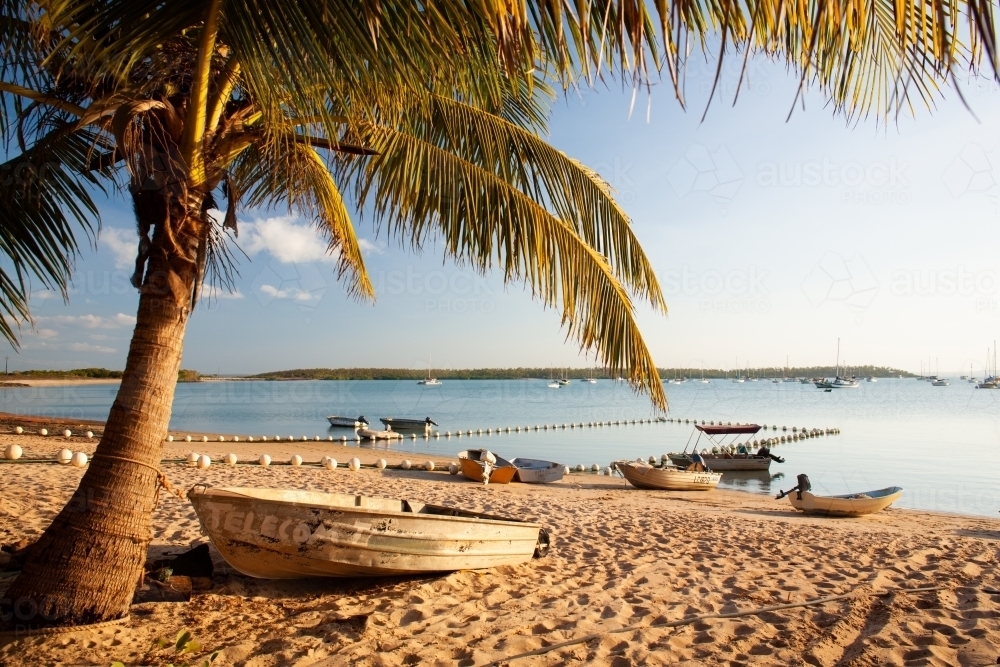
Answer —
(853, 504)
(667, 478)
(534, 471)
(289, 534)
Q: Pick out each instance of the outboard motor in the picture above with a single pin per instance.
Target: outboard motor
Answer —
(363, 420)
(803, 485)
(766, 451)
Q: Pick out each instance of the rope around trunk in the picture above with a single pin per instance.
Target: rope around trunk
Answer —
(694, 619)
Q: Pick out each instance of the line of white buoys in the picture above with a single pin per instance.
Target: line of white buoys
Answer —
(12, 453)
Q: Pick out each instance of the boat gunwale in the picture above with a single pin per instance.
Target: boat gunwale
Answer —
(367, 510)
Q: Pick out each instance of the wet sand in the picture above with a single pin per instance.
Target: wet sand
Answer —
(619, 557)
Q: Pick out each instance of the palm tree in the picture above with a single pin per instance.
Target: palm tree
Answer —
(429, 111)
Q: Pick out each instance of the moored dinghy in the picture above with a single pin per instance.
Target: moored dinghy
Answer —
(850, 504)
(724, 456)
(482, 465)
(668, 477)
(347, 422)
(369, 434)
(288, 534)
(534, 471)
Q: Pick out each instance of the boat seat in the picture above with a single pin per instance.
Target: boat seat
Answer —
(697, 466)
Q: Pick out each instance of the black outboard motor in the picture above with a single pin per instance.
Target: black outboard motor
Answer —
(363, 420)
(766, 451)
(430, 421)
(803, 485)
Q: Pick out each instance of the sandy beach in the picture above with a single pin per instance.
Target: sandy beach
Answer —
(620, 557)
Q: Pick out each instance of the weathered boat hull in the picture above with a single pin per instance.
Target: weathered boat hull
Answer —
(724, 464)
(644, 476)
(845, 505)
(533, 471)
(502, 474)
(288, 534)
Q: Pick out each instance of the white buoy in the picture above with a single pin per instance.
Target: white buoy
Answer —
(296, 460)
(429, 465)
(354, 464)
(277, 438)
(291, 438)
(607, 472)
(43, 432)
(67, 433)
(579, 467)
(595, 467)
(329, 438)
(263, 438)
(204, 438)
(413, 436)
(64, 456)
(343, 438)
(192, 458)
(236, 438)
(405, 465)
(453, 468)
(264, 460)
(517, 429)
(170, 438)
(458, 433)
(447, 434)
(566, 470)
(380, 464)
(250, 438)
(79, 460)
(479, 431)
(231, 459)
(316, 439)
(204, 461)
(222, 438)
(329, 463)
(12, 453)
(304, 438)
(437, 436)
(18, 430)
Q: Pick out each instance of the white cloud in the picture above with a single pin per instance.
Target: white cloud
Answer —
(293, 293)
(214, 292)
(123, 244)
(369, 248)
(47, 334)
(285, 240)
(90, 321)
(45, 294)
(87, 347)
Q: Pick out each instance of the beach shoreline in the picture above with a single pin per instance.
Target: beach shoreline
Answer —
(619, 557)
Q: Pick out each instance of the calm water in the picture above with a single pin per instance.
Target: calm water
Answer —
(942, 444)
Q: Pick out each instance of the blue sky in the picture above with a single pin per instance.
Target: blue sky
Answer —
(771, 239)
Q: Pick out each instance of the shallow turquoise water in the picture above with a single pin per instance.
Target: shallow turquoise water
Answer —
(942, 444)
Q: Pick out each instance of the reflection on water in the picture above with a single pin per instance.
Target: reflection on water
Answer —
(757, 481)
(893, 431)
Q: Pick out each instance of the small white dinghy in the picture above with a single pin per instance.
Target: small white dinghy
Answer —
(668, 478)
(850, 504)
(290, 534)
(535, 471)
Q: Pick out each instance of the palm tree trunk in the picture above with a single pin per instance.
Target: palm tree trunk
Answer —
(85, 567)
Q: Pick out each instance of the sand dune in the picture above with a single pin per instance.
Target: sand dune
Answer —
(620, 557)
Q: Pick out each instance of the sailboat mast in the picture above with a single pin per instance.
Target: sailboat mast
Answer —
(838, 357)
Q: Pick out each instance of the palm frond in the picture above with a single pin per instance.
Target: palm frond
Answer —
(423, 192)
(301, 179)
